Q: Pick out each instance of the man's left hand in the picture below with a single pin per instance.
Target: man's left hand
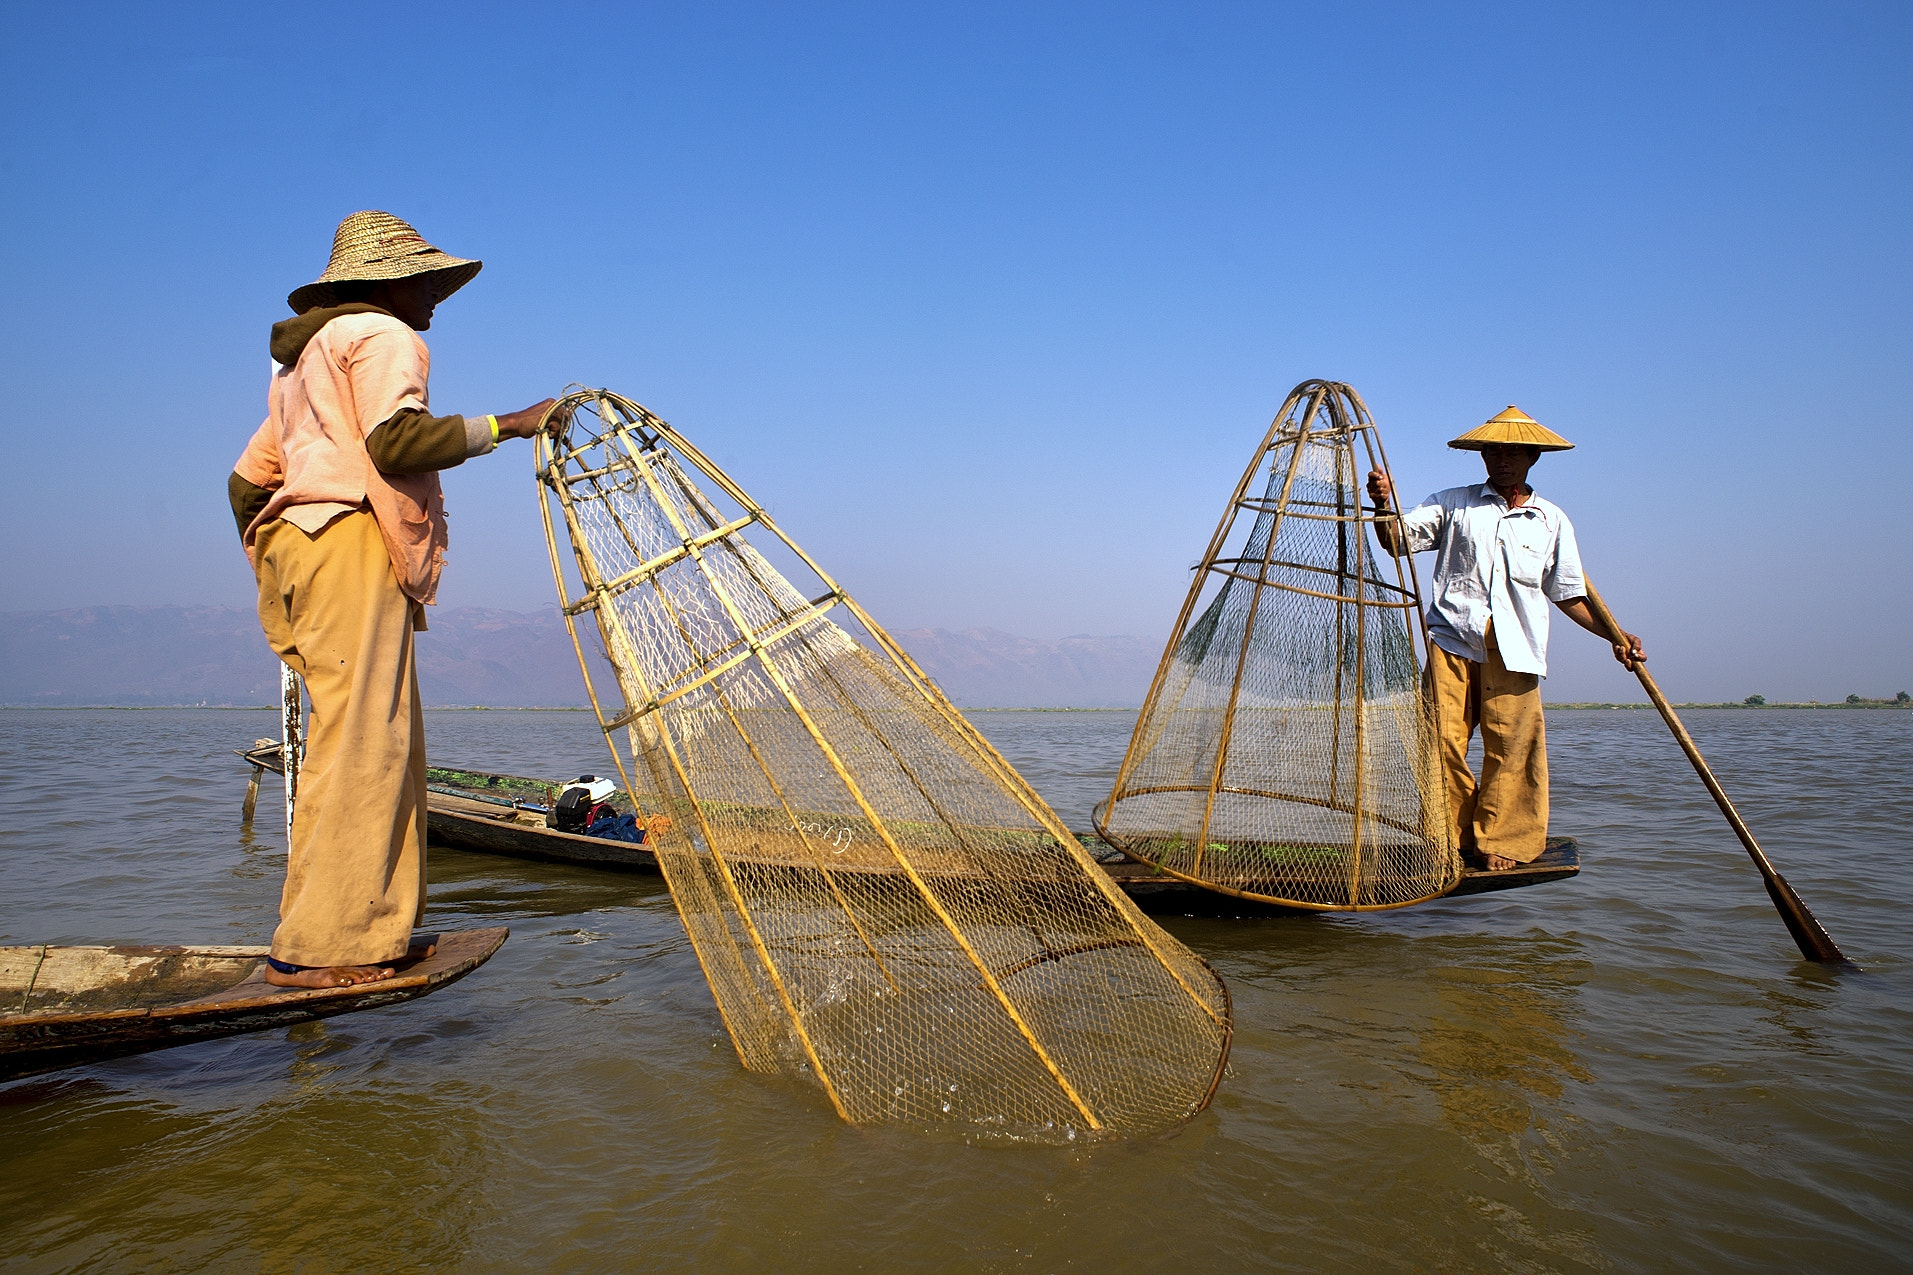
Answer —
(1631, 654)
(524, 424)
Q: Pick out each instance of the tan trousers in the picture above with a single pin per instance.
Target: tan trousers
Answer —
(355, 876)
(1506, 813)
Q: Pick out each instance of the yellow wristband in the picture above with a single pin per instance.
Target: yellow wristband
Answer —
(494, 422)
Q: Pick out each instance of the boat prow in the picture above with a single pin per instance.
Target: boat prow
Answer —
(64, 1006)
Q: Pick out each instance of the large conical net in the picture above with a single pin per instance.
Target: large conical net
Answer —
(878, 900)
(1285, 752)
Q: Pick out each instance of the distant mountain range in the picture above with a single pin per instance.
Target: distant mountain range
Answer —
(216, 656)
(987, 668)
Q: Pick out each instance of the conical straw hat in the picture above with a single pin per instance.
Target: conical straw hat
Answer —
(371, 246)
(1512, 426)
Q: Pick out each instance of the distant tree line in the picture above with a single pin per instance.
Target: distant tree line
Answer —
(1902, 700)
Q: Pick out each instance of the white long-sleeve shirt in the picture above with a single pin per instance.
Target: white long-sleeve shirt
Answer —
(1493, 562)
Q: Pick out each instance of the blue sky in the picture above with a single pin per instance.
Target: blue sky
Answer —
(989, 304)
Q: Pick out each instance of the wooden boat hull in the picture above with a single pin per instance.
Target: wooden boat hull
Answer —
(64, 1006)
(490, 830)
(1158, 892)
(470, 825)
(492, 825)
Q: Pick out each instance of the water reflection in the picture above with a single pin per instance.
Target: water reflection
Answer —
(1498, 1043)
(491, 888)
(259, 857)
(260, 1185)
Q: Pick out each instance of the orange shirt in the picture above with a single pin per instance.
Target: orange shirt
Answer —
(353, 374)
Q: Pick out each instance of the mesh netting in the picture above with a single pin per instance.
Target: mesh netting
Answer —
(1285, 752)
(877, 899)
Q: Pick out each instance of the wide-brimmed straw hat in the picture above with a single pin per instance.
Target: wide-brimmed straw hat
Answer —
(371, 246)
(1512, 426)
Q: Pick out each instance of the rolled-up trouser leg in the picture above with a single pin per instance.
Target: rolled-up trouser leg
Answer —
(355, 872)
(1454, 687)
(1511, 806)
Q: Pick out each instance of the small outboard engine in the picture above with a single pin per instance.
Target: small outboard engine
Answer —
(582, 803)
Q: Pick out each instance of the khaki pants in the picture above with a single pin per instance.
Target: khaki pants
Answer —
(1506, 813)
(355, 874)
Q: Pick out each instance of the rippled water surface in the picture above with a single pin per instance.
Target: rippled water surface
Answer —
(1632, 1070)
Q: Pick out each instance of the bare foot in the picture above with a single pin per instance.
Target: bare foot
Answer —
(1498, 864)
(346, 975)
(330, 976)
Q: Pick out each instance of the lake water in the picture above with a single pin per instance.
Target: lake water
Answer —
(1631, 1070)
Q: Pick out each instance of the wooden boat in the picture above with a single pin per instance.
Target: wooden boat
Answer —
(505, 814)
(64, 1006)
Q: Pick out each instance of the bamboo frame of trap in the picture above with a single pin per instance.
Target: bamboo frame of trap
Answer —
(651, 740)
(1328, 411)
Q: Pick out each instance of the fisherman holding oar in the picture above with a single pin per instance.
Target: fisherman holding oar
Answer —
(1502, 554)
(338, 503)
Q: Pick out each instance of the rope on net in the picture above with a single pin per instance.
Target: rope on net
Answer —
(1286, 752)
(879, 902)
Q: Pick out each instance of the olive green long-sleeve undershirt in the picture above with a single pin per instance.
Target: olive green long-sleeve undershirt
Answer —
(248, 501)
(409, 442)
(412, 442)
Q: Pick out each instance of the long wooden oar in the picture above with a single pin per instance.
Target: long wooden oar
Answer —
(1814, 942)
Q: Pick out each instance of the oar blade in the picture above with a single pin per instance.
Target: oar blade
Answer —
(1813, 940)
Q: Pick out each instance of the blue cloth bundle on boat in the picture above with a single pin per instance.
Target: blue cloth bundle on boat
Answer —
(616, 828)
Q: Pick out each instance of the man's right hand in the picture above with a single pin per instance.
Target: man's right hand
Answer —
(1380, 490)
(524, 424)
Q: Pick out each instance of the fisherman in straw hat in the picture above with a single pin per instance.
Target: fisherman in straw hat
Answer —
(1502, 554)
(338, 503)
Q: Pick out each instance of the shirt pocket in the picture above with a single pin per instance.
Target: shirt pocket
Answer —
(1527, 550)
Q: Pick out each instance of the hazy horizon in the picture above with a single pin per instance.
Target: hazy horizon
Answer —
(526, 660)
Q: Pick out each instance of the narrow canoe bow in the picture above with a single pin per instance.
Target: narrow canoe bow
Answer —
(64, 1006)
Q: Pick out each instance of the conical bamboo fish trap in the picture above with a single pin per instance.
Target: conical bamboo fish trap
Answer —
(878, 901)
(1285, 752)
